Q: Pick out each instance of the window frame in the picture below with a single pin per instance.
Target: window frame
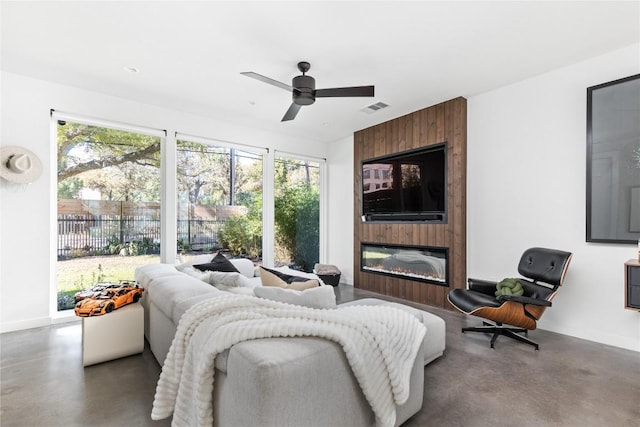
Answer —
(55, 116)
(267, 251)
(322, 164)
(168, 191)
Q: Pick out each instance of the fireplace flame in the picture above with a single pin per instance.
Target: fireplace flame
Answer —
(423, 264)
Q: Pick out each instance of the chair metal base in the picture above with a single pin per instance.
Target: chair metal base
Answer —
(498, 330)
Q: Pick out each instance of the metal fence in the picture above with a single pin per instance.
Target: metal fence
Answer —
(88, 235)
(199, 234)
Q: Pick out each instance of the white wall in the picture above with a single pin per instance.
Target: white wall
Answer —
(526, 187)
(340, 207)
(27, 256)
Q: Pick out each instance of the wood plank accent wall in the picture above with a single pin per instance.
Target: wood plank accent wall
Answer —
(443, 122)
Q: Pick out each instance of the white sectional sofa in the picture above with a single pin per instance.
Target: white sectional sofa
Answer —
(276, 381)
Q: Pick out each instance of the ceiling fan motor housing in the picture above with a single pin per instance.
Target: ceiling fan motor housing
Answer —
(303, 90)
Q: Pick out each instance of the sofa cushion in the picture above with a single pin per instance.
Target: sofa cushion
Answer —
(195, 259)
(146, 273)
(171, 289)
(276, 278)
(317, 297)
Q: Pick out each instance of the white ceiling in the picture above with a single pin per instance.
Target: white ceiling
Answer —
(190, 54)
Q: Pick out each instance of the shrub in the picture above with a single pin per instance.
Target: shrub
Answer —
(297, 217)
(146, 246)
(113, 246)
(242, 234)
(66, 301)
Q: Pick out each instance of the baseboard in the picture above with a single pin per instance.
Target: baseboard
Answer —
(65, 319)
(626, 343)
(24, 324)
(38, 322)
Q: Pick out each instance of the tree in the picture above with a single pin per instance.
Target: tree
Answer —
(410, 176)
(82, 148)
(204, 173)
(122, 165)
(209, 175)
(70, 188)
(128, 182)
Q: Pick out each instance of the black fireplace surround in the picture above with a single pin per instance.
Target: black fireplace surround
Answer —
(419, 263)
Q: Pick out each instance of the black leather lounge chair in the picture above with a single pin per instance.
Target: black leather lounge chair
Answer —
(544, 270)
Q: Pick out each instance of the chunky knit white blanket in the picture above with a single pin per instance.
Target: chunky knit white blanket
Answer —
(380, 344)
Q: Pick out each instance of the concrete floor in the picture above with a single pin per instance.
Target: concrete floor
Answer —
(569, 382)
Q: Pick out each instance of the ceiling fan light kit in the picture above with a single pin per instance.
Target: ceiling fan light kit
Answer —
(303, 90)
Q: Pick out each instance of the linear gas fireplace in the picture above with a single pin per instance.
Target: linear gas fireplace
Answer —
(424, 264)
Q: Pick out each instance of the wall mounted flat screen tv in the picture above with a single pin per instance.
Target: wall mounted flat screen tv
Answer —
(408, 186)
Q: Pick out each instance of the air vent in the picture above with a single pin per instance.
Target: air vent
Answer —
(370, 109)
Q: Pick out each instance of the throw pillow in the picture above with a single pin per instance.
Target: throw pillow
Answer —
(218, 263)
(244, 266)
(298, 273)
(509, 286)
(275, 278)
(301, 286)
(318, 297)
(235, 280)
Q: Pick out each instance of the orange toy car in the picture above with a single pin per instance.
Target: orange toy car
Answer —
(96, 290)
(107, 300)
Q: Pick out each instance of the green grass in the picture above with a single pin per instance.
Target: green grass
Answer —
(81, 273)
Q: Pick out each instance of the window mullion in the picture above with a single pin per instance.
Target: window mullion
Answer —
(168, 201)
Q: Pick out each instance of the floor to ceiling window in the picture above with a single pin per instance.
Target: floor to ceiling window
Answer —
(229, 197)
(219, 199)
(297, 212)
(108, 214)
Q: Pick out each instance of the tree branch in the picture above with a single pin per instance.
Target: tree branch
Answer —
(108, 161)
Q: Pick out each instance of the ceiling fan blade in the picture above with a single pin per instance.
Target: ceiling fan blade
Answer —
(267, 80)
(291, 112)
(345, 91)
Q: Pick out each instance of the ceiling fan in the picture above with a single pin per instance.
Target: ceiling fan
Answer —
(303, 90)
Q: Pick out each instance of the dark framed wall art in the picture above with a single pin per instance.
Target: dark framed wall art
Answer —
(613, 161)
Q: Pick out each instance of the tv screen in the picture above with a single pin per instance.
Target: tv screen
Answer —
(408, 186)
